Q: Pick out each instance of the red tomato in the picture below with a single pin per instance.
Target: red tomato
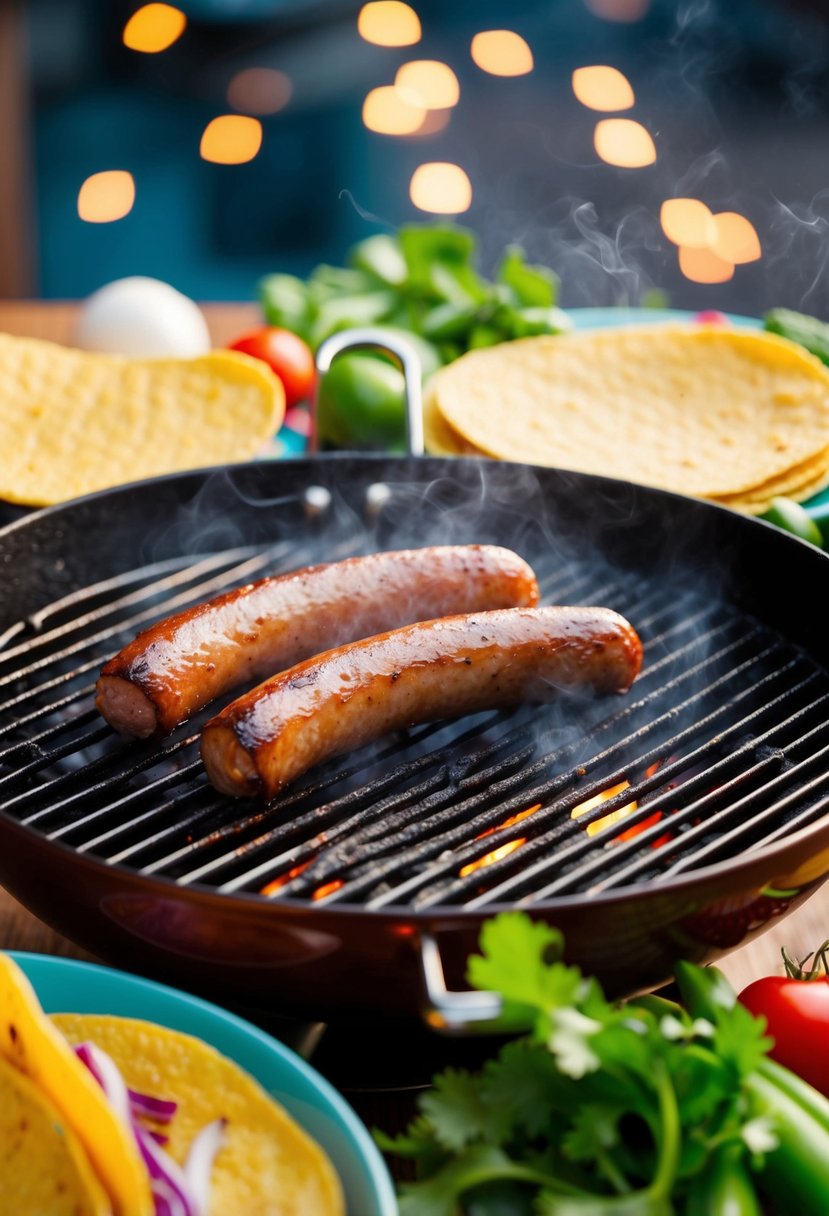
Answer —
(287, 354)
(797, 1016)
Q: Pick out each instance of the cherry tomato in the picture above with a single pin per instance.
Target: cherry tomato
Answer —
(797, 1017)
(287, 354)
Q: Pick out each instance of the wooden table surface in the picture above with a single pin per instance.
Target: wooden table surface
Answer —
(801, 931)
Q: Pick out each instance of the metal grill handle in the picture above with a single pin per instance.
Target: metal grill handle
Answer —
(390, 344)
(455, 1013)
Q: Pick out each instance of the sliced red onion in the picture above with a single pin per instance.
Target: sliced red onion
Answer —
(105, 1071)
(159, 1109)
(169, 1186)
(198, 1165)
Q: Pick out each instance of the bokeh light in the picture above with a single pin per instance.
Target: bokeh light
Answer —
(106, 196)
(603, 88)
(259, 91)
(441, 188)
(704, 266)
(231, 139)
(153, 28)
(434, 83)
(619, 10)
(623, 142)
(736, 239)
(392, 111)
(502, 53)
(688, 222)
(389, 23)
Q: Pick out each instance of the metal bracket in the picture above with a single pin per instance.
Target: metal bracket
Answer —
(390, 344)
(455, 1013)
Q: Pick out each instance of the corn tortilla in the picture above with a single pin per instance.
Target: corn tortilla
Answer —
(712, 412)
(72, 422)
(268, 1166)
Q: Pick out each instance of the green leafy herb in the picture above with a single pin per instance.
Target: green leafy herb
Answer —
(601, 1109)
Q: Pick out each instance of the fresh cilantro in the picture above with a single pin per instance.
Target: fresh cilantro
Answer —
(602, 1109)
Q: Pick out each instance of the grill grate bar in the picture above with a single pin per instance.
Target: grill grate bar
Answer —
(771, 759)
(67, 748)
(505, 796)
(33, 743)
(758, 816)
(182, 600)
(146, 760)
(808, 815)
(59, 681)
(160, 586)
(539, 846)
(364, 803)
(177, 777)
(28, 719)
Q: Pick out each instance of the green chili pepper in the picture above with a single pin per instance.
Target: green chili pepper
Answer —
(797, 327)
(724, 1187)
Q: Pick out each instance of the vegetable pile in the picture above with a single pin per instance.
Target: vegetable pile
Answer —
(422, 282)
(642, 1109)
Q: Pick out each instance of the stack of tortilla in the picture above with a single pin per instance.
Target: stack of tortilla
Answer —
(737, 416)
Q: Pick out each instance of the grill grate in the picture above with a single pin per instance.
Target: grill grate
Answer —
(721, 747)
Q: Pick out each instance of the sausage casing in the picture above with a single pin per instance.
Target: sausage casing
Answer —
(180, 664)
(435, 669)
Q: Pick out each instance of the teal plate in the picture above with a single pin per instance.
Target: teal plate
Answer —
(607, 318)
(66, 985)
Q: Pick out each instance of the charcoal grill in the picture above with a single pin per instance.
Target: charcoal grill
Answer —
(363, 888)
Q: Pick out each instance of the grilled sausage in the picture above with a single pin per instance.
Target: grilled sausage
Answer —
(178, 665)
(436, 669)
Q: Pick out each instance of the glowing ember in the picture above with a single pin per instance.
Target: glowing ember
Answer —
(154, 27)
(277, 884)
(607, 820)
(623, 142)
(434, 83)
(503, 850)
(231, 139)
(688, 222)
(392, 111)
(602, 88)
(259, 91)
(501, 53)
(441, 187)
(107, 196)
(389, 23)
(703, 266)
(328, 888)
(735, 239)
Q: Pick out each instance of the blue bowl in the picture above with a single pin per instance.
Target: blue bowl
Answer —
(66, 985)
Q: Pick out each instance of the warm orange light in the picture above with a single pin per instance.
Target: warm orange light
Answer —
(107, 196)
(735, 238)
(433, 122)
(231, 139)
(277, 884)
(619, 10)
(623, 142)
(704, 266)
(607, 820)
(489, 859)
(328, 888)
(389, 23)
(259, 91)
(440, 187)
(502, 53)
(503, 850)
(392, 111)
(153, 28)
(603, 88)
(687, 221)
(433, 83)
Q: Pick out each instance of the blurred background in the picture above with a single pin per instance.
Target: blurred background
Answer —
(217, 141)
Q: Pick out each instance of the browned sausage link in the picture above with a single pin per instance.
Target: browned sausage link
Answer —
(436, 669)
(174, 668)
